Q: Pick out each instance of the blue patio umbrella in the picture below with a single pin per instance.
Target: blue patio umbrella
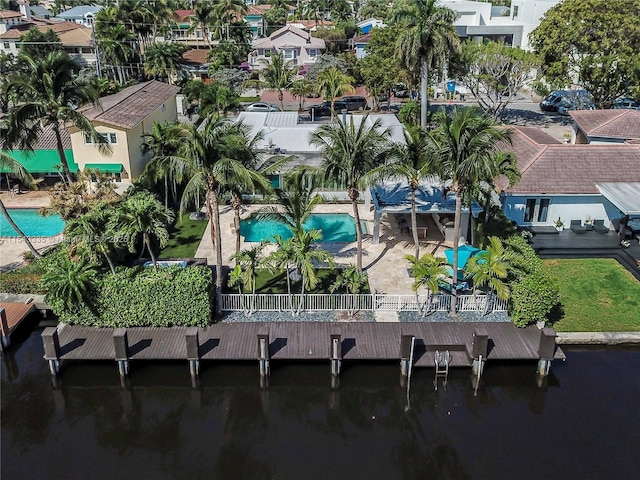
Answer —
(465, 252)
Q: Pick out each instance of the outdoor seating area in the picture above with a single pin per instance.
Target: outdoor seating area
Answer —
(577, 227)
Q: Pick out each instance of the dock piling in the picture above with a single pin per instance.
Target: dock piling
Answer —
(335, 353)
(51, 344)
(406, 354)
(479, 351)
(263, 354)
(193, 354)
(121, 344)
(4, 324)
(546, 350)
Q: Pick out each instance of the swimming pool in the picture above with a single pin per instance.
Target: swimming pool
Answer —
(32, 224)
(335, 227)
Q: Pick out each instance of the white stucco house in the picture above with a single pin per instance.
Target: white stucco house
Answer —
(295, 44)
(82, 14)
(571, 181)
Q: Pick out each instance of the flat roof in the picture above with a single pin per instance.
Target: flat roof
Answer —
(624, 195)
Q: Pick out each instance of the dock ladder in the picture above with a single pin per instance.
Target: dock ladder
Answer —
(442, 361)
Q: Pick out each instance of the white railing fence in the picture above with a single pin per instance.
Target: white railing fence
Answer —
(368, 302)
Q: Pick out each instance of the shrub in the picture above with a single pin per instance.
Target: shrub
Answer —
(20, 281)
(139, 297)
(533, 297)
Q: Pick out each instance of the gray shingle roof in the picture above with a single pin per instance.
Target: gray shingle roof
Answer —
(80, 11)
(132, 105)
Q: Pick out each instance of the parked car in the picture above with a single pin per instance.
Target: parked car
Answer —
(400, 90)
(625, 103)
(261, 107)
(321, 110)
(351, 103)
(566, 100)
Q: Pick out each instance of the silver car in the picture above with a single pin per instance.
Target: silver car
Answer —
(261, 107)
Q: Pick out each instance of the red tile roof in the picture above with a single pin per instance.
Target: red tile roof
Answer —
(15, 32)
(9, 14)
(622, 124)
(196, 56)
(362, 38)
(182, 15)
(128, 108)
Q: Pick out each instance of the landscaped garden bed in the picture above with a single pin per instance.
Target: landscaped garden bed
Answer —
(596, 295)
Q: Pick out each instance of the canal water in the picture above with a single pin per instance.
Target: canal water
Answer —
(582, 423)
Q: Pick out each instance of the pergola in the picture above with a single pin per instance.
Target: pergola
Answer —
(395, 198)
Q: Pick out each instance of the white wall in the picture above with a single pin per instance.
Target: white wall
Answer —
(566, 207)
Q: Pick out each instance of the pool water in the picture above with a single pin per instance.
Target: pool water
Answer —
(335, 227)
(31, 223)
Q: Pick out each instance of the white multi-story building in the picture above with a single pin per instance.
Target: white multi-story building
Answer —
(296, 45)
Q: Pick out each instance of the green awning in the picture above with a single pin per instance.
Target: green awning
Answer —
(40, 161)
(105, 167)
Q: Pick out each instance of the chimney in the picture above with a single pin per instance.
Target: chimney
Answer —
(25, 9)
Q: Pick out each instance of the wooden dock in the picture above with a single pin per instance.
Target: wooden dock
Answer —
(301, 341)
(11, 316)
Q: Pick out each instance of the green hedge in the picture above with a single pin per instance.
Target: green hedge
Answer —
(21, 282)
(141, 297)
(534, 289)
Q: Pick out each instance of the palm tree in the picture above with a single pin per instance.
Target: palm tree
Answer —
(249, 261)
(492, 267)
(278, 74)
(69, 282)
(350, 153)
(49, 94)
(333, 83)
(210, 159)
(297, 199)
(204, 15)
(94, 230)
(162, 60)
(414, 161)
(306, 257)
(227, 12)
(427, 35)
(281, 259)
(162, 143)
(465, 143)
(302, 89)
(115, 45)
(426, 270)
(353, 280)
(13, 166)
(142, 214)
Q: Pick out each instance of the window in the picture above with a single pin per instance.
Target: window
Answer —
(536, 210)
(164, 107)
(313, 52)
(289, 54)
(109, 138)
(515, 11)
(6, 45)
(267, 53)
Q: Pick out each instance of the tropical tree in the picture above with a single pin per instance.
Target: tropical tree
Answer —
(37, 44)
(49, 93)
(334, 83)
(143, 215)
(162, 143)
(350, 153)
(163, 60)
(306, 256)
(281, 259)
(594, 43)
(492, 267)
(94, 233)
(204, 16)
(353, 281)
(116, 45)
(302, 89)
(426, 271)
(465, 143)
(249, 261)
(227, 12)
(414, 161)
(14, 167)
(426, 36)
(69, 282)
(278, 74)
(210, 159)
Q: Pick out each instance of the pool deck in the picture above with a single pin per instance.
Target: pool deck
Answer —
(13, 248)
(385, 262)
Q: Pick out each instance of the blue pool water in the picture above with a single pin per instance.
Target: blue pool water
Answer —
(32, 224)
(335, 227)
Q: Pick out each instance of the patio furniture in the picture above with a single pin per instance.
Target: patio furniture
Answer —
(576, 227)
(600, 227)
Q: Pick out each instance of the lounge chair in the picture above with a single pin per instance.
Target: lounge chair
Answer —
(600, 227)
(576, 227)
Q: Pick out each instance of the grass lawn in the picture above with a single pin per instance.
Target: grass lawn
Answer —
(597, 295)
(249, 99)
(267, 282)
(184, 238)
